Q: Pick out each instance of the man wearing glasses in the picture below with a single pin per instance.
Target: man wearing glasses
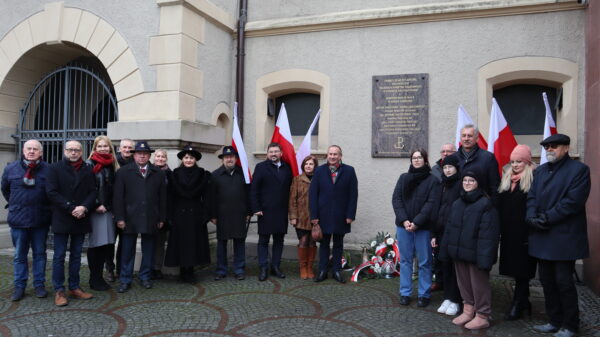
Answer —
(445, 151)
(72, 191)
(558, 231)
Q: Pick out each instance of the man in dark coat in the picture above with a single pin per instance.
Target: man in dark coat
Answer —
(333, 198)
(471, 157)
(269, 195)
(446, 150)
(558, 236)
(230, 211)
(24, 188)
(140, 207)
(71, 187)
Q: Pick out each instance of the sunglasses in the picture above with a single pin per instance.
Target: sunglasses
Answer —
(551, 146)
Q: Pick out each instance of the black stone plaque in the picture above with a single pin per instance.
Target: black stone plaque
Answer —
(400, 114)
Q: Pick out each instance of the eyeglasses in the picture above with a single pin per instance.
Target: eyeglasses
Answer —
(417, 158)
(469, 181)
(551, 146)
(73, 150)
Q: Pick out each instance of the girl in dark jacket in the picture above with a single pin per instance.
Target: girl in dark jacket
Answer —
(471, 241)
(188, 239)
(102, 238)
(514, 257)
(451, 187)
(415, 201)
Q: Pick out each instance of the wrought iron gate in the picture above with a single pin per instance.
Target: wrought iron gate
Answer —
(72, 102)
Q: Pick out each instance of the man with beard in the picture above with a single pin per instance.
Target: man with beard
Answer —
(558, 231)
(269, 195)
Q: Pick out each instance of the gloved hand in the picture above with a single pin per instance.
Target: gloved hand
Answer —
(538, 223)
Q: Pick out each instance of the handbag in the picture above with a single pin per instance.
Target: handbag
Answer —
(316, 232)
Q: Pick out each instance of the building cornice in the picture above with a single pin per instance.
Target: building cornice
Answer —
(206, 9)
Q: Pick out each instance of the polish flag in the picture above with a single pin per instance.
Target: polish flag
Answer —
(304, 149)
(238, 145)
(502, 140)
(283, 136)
(549, 127)
(465, 119)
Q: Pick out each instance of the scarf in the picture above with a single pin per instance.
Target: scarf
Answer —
(102, 160)
(29, 178)
(163, 168)
(333, 170)
(76, 164)
(414, 177)
(514, 180)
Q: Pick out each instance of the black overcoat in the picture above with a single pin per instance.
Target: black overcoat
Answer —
(514, 258)
(140, 202)
(451, 187)
(188, 240)
(66, 189)
(230, 200)
(105, 180)
(333, 203)
(560, 190)
(419, 205)
(269, 193)
(483, 162)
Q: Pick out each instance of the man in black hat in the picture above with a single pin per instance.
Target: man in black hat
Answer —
(230, 212)
(558, 231)
(140, 207)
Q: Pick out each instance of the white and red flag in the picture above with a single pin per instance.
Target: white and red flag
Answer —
(465, 119)
(238, 145)
(549, 127)
(283, 136)
(304, 149)
(502, 140)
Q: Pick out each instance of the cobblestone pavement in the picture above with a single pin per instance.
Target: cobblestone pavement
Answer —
(277, 307)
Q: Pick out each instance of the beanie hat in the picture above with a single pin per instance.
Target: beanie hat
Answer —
(521, 152)
(450, 160)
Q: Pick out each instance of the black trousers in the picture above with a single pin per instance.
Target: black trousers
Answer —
(451, 290)
(560, 293)
(521, 290)
(336, 253)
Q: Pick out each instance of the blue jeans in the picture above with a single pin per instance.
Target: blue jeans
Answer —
(239, 256)
(409, 243)
(128, 257)
(263, 250)
(22, 239)
(58, 261)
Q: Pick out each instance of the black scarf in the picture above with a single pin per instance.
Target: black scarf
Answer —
(414, 177)
(471, 196)
(448, 181)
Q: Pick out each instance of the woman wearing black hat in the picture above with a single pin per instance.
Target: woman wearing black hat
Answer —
(471, 239)
(188, 240)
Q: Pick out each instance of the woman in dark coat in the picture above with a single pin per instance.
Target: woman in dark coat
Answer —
(471, 240)
(102, 238)
(188, 240)
(512, 201)
(415, 201)
(451, 187)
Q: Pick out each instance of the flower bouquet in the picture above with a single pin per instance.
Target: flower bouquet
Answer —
(384, 259)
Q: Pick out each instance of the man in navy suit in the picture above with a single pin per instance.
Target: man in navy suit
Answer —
(333, 197)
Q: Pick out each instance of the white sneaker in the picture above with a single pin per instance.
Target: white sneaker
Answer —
(452, 309)
(442, 309)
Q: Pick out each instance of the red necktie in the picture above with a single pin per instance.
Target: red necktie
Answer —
(143, 171)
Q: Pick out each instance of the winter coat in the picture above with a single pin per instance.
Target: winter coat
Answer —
(105, 180)
(140, 202)
(419, 205)
(472, 231)
(230, 200)
(299, 209)
(484, 163)
(66, 189)
(451, 187)
(269, 193)
(560, 190)
(28, 206)
(437, 170)
(514, 231)
(333, 203)
(188, 241)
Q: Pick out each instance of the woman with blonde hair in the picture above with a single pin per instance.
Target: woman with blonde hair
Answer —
(102, 238)
(160, 161)
(512, 199)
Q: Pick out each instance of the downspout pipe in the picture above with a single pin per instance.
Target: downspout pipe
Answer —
(241, 53)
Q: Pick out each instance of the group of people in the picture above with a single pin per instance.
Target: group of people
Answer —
(454, 215)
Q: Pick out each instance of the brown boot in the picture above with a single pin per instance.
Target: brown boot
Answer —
(479, 322)
(466, 316)
(60, 300)
(80, 294)
(310, 259)
(302, 261)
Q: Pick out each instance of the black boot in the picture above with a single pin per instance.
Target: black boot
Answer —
(516, 309)
(263, 274)
(96, 264)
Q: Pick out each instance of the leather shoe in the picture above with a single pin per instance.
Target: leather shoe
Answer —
(321, 277)
(564, 333)
(422, 302)
(240, 276)
(219, 277)
(275, 271)
(157, 275)
(18, 294)
(40, 292)
(263, 274)
(123, 287)
(80, 294)
(146, 284)
(545, 328)
(404, 300)
(60, 300)
(337, 275)
(435, 286)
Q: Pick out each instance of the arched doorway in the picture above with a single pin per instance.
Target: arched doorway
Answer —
(76, 101)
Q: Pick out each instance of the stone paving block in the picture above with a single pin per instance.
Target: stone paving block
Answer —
(63, 323)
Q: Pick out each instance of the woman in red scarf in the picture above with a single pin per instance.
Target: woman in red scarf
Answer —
(102, 238)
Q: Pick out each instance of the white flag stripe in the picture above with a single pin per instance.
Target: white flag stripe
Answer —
(304, 149)
(548, 123)
(463, 119)
(239, 145)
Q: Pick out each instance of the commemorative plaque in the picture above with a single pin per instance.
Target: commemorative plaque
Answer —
(400, 118)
